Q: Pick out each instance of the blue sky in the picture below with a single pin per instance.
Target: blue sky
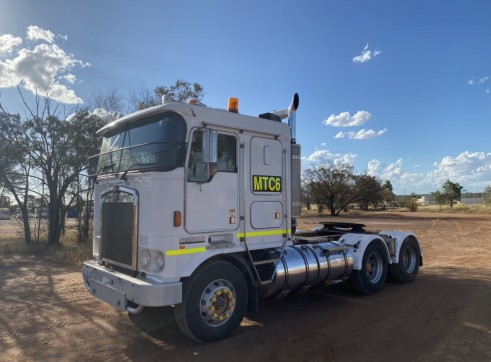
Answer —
(398, 89)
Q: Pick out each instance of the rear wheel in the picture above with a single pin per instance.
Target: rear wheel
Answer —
(406, 270)
(214, 302)
(371, 278)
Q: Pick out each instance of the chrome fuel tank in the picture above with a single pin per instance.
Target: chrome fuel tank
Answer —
(302, 267)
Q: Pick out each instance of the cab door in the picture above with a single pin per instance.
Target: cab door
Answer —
(267, 184)
(212, 199)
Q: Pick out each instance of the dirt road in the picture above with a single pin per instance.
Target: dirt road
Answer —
(445, 315)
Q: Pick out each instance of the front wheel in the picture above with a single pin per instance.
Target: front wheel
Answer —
(371, 278)
(214, 302)
(406, 270)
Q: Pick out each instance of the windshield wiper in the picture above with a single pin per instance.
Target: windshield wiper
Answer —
(107, 167)
(123, 176)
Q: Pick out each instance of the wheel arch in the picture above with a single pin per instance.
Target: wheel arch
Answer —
(358, 243)
(237, 260)
(400, 237)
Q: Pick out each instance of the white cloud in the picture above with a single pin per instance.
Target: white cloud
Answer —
(469, 169)
(39, 69)
(364, 134)
(402, 181)
(345, 120)
(37, 33)
(70, 78)
(472, 170)
(474, 81)
(385, 172)
(366, 55)
(106, 115)
(324, 157)
(8, 42)
(340, 135)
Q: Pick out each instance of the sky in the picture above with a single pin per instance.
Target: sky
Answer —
(400, 90)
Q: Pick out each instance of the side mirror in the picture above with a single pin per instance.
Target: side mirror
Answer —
(210, 144)
(210, 152)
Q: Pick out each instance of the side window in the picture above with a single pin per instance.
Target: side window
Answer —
(198, 170)
(227, 153)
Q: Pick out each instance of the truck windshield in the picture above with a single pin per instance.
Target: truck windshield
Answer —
(154, 143)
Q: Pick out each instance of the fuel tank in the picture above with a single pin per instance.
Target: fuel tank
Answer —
(302, 267)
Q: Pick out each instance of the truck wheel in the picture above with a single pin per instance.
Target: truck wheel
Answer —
(214, 303)
(371, 278)
(406, 270)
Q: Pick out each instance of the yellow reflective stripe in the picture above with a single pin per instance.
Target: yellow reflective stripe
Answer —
(264, 233)
(185, 251)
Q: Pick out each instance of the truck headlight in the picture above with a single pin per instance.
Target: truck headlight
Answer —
(151, 260)
(159, 260)
(144, 258)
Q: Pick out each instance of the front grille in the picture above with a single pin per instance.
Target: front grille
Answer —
(117, 232)
(118, 227)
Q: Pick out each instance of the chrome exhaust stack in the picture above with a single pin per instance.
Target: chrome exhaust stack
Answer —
(292, 116)
(296, 157)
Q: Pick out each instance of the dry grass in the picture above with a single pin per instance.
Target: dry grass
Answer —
(458, 208)
(69, 251)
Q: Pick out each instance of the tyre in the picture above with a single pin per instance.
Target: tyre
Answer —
(373, 274)
(214, 302)
(406, 270)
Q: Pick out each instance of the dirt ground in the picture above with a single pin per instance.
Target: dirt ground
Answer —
(445, 315)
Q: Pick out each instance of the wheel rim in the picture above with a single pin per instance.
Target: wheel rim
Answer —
(409, 259)
(217, 303)
(374, 267)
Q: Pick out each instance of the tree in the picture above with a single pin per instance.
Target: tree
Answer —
(487, 196)
(108, 105)
(439, 198)
(332, 187)
(369, 191)
(15, 165)
(51, 152)
(142, 98)
(306, 197)
(452, 192)
(414, 202)
(387, 192)
(180, 91)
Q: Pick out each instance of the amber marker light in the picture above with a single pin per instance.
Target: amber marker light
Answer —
(177, 219)
(233, 105)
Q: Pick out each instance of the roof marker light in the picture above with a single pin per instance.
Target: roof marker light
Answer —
(233, 105)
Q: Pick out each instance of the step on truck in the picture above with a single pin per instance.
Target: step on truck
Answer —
(195, 208)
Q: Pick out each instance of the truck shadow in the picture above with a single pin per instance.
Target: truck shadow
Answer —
(46, 314)
(327, 320)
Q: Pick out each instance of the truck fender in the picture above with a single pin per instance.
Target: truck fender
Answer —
(241, 263)
(194, 261)
(358, 244)
(233, 258)
(399, 237)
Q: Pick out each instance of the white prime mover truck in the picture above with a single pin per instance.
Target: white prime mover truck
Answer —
(195, 208)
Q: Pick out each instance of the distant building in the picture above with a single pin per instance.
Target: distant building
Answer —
(4, 214)
(471, 201)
